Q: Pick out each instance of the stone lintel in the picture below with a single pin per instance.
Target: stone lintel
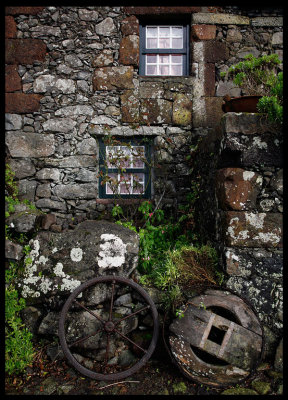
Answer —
(210, 18)
(267, 21)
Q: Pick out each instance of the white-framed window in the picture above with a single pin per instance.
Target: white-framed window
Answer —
(164, 50)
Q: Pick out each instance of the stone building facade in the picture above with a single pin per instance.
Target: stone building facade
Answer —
(72, 79)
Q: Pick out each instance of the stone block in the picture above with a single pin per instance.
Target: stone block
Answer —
(130, 106)
(47, 220)
(24, 51)
(22, 103)
(28, 144)
(222, 19)
(130, 26)
(10, 27)
(215, 51)
(245, 123)
(209, 79)
(156, 111)
(13, 122)
(76, 191)
(13, 251)
(12, 78)
(67, 259)
(22, 168)
(182, 110)
(161, 10)
(265, 149)
(48, 174)
(103, 59)
(129, 50)
(151, 90)
(106, 27)
(213, 112)
(203, 32)
(109, 78)
(72, 162)
(243, 229)
(23, 10)
(267, 21)
(237, 189)
(64, 125)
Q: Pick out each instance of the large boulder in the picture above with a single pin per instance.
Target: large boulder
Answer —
(59, 262)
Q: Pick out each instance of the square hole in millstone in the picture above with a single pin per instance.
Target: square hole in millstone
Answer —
(216, 335)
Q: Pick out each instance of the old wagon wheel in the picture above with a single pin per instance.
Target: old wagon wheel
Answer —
(108, 328)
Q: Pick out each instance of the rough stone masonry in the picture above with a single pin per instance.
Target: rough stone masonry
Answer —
(72, 77)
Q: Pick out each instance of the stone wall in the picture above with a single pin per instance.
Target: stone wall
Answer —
(72, 77)
(249, 188)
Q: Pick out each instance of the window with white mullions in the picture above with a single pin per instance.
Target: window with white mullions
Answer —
(125, 170)
(164, 50)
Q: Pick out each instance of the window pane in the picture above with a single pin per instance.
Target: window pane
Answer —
(176, 70)
(164, 31)
(164, 59)
(112, 184)
(124, 157)
(151, 58)
(138, 183)
(138, 153)
(125, 188)
(111, 156)
(176, 59)
(151, 43)
(151, 70)
(164, 69)
(177, 31)
(164, 43)
(151, 31)
(177, 43)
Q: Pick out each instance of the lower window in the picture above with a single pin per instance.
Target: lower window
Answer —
(125, 168)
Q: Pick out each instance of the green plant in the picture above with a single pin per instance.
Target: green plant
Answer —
(18, 340)
(255, 75)
(273, 104)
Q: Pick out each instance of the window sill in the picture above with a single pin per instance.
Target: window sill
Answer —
(160, 78)
(120, 201)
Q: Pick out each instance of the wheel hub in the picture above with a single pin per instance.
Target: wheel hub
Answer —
(109, 326)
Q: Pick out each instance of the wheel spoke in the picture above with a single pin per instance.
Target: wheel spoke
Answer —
(131, 315)
(91, 312)
(111, 304)
(129, 340)
(107, 350)
(84, 338)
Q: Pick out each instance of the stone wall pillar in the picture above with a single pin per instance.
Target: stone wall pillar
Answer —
(249, 187)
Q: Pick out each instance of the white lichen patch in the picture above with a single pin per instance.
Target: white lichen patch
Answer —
(257, 142)
(33, 285)
(256, 220)
(268, 237)
(58, 270)
(113, 250)
(248, 175)
(76, 254)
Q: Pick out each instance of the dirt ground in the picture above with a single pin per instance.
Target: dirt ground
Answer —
(159, 376)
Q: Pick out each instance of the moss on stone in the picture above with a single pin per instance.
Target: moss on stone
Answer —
(239, 391)
(261, 387)
(179, 387)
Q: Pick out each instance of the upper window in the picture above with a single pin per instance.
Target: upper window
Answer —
(164, 50)
(125, 169)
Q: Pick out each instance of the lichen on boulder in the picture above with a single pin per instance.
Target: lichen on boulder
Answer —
(59, 262)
